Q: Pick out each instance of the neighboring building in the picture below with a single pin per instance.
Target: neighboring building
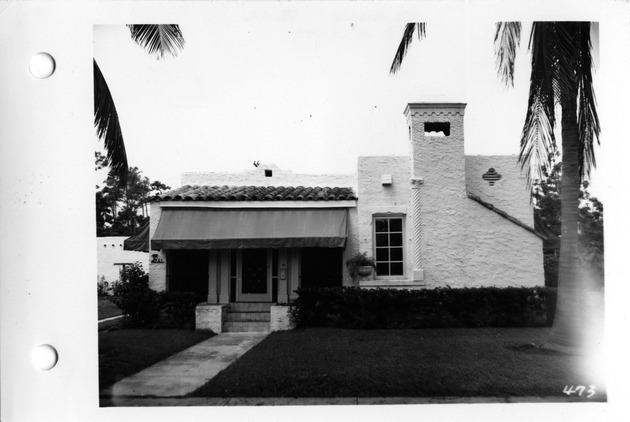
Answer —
(434, 218)
(111, 257)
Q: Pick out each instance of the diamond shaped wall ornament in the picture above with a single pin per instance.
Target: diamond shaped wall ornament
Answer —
(491, 176)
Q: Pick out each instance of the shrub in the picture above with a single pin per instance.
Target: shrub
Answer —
(551, 268)
(140, 305)
(352, 307)
(179, 308)
(102, 287)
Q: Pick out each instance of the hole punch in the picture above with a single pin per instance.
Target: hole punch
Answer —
(44, 357)
(42, 65)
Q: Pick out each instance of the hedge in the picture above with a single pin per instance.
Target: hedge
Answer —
(143, 307)
(353, 307)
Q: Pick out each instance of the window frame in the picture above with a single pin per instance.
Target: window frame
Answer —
(390, 216)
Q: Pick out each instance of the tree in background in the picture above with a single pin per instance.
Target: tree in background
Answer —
(155, 39)
(561, 75)
(121, 209)
(547, 198)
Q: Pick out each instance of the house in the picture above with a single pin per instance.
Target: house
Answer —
(432, 219)
(113, 255)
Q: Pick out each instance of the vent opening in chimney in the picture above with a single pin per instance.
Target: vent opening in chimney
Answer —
(268, 173)
(437, 129)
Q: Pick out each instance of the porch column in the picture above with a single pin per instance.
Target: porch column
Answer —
(416, 242)
(294, 272)
(224, 276)
(283, 275)
(212, 277)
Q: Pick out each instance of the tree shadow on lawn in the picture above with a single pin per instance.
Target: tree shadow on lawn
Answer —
(460, 362)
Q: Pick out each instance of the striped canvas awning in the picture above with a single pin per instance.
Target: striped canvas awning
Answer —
(202, 228)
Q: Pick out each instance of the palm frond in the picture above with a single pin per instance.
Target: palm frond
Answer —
(566, 57)
(158, 39)
(568, 49)
(538, 141)
(588, 122)
(108, 126)
(410, 28)
(506, 42)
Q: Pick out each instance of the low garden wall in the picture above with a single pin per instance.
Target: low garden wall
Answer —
(210, 317)
(279, 319)
(352, 307)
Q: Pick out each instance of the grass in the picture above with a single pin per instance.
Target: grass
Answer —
(324, 362)
(124, 352)
(107, 309)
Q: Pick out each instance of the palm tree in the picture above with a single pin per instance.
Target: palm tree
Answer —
(560, 75)
(155, 39)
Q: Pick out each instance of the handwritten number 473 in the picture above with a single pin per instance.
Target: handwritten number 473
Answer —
(579, 390)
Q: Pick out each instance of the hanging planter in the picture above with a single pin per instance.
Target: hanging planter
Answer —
(360, 265)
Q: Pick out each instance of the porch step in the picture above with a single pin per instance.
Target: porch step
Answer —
(247, 317)
(250, 307)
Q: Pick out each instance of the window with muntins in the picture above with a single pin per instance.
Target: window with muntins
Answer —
(388, 245)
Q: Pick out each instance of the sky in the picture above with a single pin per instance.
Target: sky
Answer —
(306, 90)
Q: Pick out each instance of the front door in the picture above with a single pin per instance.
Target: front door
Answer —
(254, 283)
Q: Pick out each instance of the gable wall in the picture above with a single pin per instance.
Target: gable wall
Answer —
(457, 242)
(509, 194)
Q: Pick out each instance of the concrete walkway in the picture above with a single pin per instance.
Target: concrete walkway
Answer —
(114, 318)
(187, 370)
(315, 401)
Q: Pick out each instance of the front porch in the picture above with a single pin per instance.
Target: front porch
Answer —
(244, 290)
(256, 275)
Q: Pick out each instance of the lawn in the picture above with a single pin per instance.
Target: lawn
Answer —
(107, 309)
(325, 362)
(124, 352)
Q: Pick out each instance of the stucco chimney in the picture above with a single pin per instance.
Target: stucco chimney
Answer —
(438, 174)
(436, 133)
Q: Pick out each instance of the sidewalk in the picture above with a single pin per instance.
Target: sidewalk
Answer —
(185, 371)
(315, 401)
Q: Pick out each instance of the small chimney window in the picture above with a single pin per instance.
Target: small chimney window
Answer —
(268, 173)
(437, 129)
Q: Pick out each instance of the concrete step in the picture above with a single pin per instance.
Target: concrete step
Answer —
(248, 316)
(250, 307)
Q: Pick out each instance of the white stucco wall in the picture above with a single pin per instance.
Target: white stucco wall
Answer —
(509, 194)
(109, 250)
(256, 177)
(378, 199)
(462, 243)
(496, 252)
(352, 245)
